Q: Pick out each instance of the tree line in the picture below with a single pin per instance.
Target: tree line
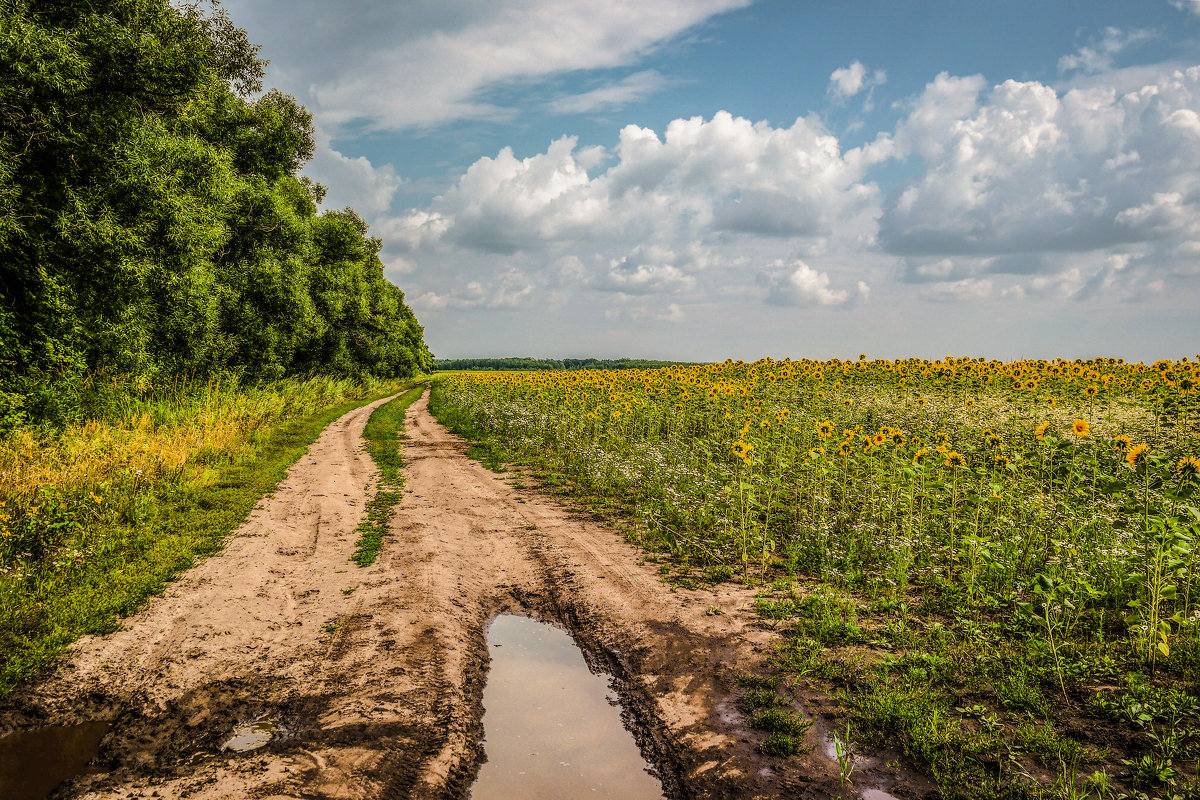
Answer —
(531, 364)
(153, 222)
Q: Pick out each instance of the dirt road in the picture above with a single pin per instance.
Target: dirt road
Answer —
(373, 676)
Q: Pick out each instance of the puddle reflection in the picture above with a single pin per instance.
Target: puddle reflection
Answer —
(33, 763)
(251, 736)
(552, 729)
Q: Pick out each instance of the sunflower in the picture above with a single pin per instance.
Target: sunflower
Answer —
(846, 448)
(878, 439)
(742, 450)
(941, 438)
(1091, 391)
(1040, 431)
(817, 451)
(847, 403)
(897, 438)
(1122, 443)
(917, 456)
(1187, 467)
(955, 459)
(1080, 428)
(1050, 401)
(920, 401)
(1137, 454)
(1001, 462)
(825, 430)
(969, 402)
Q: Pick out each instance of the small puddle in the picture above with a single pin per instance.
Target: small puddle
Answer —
(251, 736)
(34, 763)
(551, 727)
(877, 794)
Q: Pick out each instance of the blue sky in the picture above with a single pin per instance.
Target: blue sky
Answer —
(702, 179)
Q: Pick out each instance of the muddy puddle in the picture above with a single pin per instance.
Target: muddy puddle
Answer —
(251, 736)
(552, 728)
(34, 763)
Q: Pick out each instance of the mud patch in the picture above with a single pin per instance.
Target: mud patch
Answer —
(552, 727)
(34, 763)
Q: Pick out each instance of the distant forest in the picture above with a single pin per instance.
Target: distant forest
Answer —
(550, 363)
(152, 220)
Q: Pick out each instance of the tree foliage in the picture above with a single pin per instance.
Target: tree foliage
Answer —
(152, 221)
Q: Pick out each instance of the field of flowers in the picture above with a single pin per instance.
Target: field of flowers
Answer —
(991, 565)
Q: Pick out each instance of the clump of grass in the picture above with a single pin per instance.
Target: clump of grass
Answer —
(99, 515)
(383, 433)
(781, 745)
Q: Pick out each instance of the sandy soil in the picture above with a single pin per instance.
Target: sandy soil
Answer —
(374, 676)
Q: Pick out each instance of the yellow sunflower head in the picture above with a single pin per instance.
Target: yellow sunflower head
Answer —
(1137, 454)
(1188, 468)
(1080, 428)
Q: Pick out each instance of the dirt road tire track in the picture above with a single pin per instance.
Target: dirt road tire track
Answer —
(375, 675)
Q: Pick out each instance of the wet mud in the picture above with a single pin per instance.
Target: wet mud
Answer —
(350, 682)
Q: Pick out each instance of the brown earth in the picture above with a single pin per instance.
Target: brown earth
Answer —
(374, 675)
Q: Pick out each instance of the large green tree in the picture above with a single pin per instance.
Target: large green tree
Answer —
(152, 220)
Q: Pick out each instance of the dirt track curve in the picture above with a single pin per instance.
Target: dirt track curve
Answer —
(374, 675)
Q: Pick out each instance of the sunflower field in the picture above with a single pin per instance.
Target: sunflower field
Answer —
(991, 565)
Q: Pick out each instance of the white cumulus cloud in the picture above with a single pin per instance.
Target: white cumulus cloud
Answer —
(849, 81)
(798, 284)
(1026, 169)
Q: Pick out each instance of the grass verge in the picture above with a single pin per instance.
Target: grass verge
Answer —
(103, 566)
(383, 433)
